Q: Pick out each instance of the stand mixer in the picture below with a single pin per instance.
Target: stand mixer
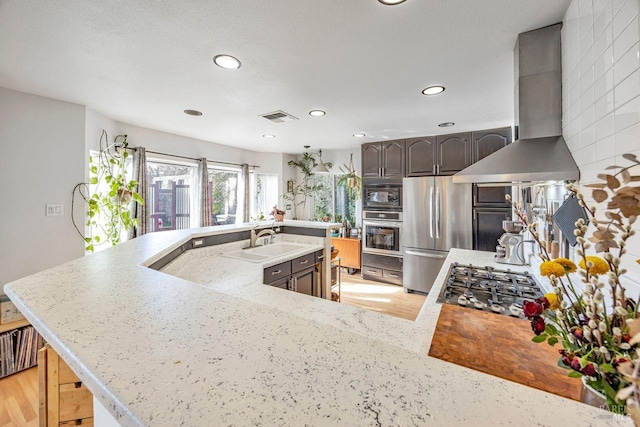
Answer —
(510, 249)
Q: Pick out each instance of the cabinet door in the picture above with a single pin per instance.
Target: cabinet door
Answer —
(489, 141)
(490, 196)
(421, 156)
(304, 281)
(393, 158)
(487, 227)
(371, 159)
(454, 153)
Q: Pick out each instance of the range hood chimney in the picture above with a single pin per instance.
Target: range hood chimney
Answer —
(540, 153)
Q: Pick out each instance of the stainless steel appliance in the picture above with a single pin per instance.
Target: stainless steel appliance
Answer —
(489, 289)
(437, 217)
(382, 196)
(382, 232)
(510, 249)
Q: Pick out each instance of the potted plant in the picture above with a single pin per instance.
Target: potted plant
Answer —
(589, 311)
(350, 180)
(108, 194)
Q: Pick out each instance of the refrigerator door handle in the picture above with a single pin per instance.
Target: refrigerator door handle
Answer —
(431, 212)
(426, 255)
(437, 213)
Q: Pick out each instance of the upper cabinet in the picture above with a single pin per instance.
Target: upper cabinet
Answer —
(383, 159)
(421, 156)
(454, 153)
(489, 141)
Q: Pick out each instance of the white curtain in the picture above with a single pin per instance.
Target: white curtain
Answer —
(204, 194)
(247, 200)
(140, 211)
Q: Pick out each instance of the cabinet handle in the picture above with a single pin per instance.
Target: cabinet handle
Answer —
(306, 261)
(371, 271)
(273, 273)
(395, 276)
(435, 169)
(382, 172)
(295, 284)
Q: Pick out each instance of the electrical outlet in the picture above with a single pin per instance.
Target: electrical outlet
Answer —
(54, 210)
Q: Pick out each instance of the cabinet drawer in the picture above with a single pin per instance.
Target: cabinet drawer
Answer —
(83, 422)
(75, 402)
(372, 271)
(303, 262)
(392, 276)
(271, 274)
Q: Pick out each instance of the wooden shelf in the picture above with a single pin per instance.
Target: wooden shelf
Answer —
(13, 325)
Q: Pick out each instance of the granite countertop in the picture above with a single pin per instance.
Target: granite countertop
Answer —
(221, 348)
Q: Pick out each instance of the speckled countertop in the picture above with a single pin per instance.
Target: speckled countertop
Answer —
(222, 349)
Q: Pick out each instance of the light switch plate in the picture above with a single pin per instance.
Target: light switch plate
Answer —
(54, 210)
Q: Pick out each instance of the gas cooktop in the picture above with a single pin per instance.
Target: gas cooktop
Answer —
(489, 289)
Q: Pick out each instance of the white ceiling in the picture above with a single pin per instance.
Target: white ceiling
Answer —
(144, 62)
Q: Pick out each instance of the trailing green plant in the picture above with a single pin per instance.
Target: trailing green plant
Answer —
(300, 192)
(108, 205)
(350, 180)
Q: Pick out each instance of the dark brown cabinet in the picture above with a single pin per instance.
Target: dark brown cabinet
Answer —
(489, 141)
(421, 156)
(454, 153)
(487, 227)
(304, 281)
(384, 159)
(490, 197)
(301, 274)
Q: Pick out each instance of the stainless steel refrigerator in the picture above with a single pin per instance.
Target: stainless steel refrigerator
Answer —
(437, 216)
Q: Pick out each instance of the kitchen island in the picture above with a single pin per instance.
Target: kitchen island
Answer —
(156, 349)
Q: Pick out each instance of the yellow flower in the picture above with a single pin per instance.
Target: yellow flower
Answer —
(567, 264)
(638, 261)
(600, 266)
(553, 300)
(548, 268)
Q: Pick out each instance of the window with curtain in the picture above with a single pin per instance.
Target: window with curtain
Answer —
(224, 184)
(263, 194)
(171, 195)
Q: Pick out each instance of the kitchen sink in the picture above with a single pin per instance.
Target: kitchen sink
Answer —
(264, 253)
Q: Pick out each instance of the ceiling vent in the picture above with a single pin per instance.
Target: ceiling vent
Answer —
(279, 117)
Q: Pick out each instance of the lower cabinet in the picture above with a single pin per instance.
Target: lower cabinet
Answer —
(302, 274)
(64, 399)
(382, 268)
(487, 227)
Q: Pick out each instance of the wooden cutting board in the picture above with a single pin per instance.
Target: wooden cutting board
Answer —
(500, 345)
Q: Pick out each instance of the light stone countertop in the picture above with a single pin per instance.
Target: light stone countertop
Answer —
(221, 348)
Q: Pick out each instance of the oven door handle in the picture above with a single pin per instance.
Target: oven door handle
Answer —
(431, 212)
(387, 224)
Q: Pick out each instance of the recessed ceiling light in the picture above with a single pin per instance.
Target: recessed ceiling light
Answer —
(446, 124)
(433, 90)
(359, 135)
(317, 113)
(226, 61)
(193, 112)
(391, 2)
(268, 135)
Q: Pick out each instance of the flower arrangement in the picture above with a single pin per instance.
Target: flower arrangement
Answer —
(599, 336)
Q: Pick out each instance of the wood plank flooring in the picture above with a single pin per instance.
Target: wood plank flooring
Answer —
(380, 297)
(19, 392)
(19, 399)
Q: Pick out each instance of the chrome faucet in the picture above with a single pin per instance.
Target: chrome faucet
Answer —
(255, 237)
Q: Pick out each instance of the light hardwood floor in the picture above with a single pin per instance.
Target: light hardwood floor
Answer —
(19, 392)
(19, 399)
(380, 297)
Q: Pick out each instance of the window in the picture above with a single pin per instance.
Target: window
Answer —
(171, 196)
(264, 195)
(224, 184)
(332, 202)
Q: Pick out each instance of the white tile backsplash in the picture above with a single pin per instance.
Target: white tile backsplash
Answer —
(602, 121)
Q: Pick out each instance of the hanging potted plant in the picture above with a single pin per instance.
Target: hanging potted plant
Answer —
(108, 194)
(298, 193)
(350, 180)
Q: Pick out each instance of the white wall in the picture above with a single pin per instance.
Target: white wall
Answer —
(41, 160)
(601, 93)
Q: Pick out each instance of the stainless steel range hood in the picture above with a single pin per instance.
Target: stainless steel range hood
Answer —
(540, 153)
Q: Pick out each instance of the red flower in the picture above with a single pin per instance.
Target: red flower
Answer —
(537, 325)
(532, 309)
(575, 364)
(578, 334)
(565, 356)
(618, 360)
(544, 302)
(589, 370)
